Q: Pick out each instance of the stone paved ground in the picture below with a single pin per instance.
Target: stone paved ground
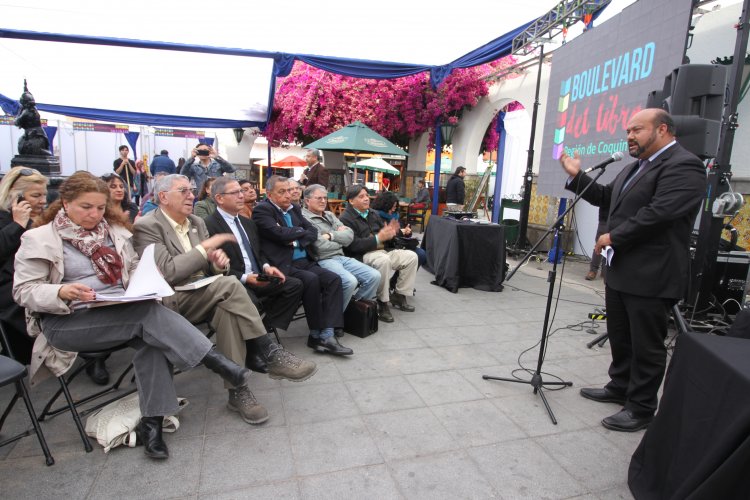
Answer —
(408, 416)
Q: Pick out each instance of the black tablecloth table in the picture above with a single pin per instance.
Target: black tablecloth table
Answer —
(465, 254)
(698, 445)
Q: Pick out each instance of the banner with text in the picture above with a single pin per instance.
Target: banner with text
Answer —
(603, 77)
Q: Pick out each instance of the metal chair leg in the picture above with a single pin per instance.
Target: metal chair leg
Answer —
(21, 387)
(76, 418)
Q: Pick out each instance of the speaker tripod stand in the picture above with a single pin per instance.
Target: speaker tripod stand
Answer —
(537, 381)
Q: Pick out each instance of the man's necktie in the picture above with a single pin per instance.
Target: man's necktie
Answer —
(248, 248)
(641, 165)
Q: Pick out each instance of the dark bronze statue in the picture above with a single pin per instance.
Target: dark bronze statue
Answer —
(34, 150)
(34, 141)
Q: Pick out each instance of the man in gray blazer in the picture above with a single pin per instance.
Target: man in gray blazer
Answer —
(184, 253)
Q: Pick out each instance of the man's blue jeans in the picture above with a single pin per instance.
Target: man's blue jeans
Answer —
(353, 273)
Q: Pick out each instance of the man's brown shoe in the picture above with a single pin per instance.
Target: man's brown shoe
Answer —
(399, 302)
(590, 276)
(282, 364)
(243, 401)
(384, 312)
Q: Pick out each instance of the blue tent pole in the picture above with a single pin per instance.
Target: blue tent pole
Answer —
(269, 161)
(436, 175)
(499, 170)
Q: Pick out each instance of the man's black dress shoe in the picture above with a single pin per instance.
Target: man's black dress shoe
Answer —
(255, 362)
(97, 371)
(330, 345)
(626, 421)
(602, 395)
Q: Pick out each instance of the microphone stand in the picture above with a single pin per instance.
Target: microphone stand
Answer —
(536, 379)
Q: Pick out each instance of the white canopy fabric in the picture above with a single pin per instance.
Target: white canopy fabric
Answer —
(377, 165)
(224, 87)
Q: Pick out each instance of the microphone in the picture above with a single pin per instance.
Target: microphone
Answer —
(616, 156)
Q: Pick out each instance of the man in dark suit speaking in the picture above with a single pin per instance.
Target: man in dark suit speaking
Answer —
(652, 205)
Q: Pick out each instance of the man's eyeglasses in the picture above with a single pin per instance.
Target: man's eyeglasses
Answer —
(233, 193)
(184, 191)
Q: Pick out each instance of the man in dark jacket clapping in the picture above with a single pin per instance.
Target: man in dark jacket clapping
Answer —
(370, 236)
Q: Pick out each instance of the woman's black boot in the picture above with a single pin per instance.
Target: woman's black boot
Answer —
(148, 432)
(226, 368)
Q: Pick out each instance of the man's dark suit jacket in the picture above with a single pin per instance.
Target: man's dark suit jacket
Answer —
(650, 222)
(216, 224)
(277, 236)
(317, 174)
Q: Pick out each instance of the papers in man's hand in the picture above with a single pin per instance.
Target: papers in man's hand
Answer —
(608, 253)
(145, 283)
(194, 285)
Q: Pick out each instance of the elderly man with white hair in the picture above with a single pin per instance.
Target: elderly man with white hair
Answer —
(333, 237)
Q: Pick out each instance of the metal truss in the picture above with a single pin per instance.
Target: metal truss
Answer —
(551, 24)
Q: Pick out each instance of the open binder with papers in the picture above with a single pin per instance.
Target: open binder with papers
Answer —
(146, 283)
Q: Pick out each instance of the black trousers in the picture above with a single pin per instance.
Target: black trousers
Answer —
(278, 300)
(637, 327)
(322, 296)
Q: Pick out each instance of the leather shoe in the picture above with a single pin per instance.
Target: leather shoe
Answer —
(330, 345)
(399, 302)
(384, 313)
(97, 372)
(339, 332)
(626, 421)
(590, 276)
(256, 363)
(148, 433)
(603, 395)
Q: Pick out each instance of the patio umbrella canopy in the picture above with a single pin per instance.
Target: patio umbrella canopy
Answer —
(289, 162)
(357, 138)
(376, 165)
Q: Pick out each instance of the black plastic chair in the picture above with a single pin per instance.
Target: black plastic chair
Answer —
(416, 215)
(13, 372)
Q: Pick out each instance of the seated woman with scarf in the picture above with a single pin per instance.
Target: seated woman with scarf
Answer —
(80, 248)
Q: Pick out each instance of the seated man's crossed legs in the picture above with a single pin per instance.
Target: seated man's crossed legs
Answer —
(404, 261)
(359, 281)
(234, 317)
(322, 299)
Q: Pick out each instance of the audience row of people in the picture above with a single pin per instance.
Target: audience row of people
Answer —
(267, 264)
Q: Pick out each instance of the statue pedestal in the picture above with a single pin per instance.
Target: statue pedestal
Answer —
(45, 164)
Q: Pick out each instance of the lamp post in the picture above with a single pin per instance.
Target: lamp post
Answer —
(238, 134)
(443, 134)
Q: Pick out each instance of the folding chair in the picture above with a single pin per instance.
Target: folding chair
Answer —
(13, 372)
(416, 215)
(89, 358)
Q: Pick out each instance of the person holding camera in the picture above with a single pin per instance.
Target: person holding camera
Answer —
(209, 164)
(278, 294)
(126, 169)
